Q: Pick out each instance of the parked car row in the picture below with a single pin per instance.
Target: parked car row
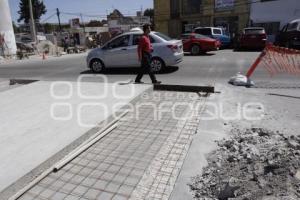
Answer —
(121, 51)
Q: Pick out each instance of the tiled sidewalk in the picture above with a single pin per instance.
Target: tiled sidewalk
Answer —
(140, 159)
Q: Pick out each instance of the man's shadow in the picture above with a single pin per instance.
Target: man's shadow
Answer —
(136, 70)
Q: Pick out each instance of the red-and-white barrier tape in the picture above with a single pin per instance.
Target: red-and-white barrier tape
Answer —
(277, 60)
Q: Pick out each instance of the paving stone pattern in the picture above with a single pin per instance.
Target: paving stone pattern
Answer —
(140, 159)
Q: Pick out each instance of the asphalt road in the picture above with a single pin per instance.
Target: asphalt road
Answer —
(214, 67)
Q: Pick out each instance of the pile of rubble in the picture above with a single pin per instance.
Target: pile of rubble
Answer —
(252, 164)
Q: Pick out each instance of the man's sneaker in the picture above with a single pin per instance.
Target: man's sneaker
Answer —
(157, 82)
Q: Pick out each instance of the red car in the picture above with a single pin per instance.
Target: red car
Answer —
(253, 38)
(197, 43)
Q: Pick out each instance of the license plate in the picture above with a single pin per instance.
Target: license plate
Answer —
(180, 48)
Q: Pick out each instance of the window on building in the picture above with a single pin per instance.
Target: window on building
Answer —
(191, 6)
(175, 8)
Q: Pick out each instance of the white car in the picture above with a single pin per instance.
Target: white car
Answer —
(121, 51)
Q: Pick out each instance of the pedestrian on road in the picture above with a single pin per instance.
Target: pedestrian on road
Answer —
(144, 54)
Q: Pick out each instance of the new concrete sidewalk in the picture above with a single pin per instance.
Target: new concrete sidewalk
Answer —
(140, 159)
(30, 134)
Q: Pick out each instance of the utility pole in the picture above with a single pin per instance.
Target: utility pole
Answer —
(58, 16)
(141, 21)
(82, 23)
(32, 23)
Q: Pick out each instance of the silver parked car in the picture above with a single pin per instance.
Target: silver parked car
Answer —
(121, 51)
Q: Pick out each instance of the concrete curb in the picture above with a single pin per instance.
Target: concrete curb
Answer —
(184, 88)
(21, 81)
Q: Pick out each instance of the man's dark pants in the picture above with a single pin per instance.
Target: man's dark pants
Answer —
(146, 68)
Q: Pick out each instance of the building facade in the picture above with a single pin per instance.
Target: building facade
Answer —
(174, 17)
(118, 23)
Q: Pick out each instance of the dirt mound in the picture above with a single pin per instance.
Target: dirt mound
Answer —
(253, 164)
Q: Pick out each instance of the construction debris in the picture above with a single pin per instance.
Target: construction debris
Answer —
(252, 164)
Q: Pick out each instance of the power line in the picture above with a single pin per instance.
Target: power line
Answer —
(48, 18)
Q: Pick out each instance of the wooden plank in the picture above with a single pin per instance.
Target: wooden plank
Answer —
(184, 88)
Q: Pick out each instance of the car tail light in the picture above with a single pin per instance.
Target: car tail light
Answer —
(173, 47)
(264, 37)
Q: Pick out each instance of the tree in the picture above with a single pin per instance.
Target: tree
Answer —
(16, 28)
(38, 8)
(95, 23)
(49, 28)
(150, 13)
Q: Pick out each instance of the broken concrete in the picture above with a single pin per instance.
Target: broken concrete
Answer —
(252, 164)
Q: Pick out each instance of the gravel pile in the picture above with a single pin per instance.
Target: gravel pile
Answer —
(252, 164)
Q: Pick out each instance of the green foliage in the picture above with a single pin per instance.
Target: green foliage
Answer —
(38, 8)
(16, 28)
(49, 28)
(149, 12)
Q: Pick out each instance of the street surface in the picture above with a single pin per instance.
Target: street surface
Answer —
(208, 69)
(204, 69)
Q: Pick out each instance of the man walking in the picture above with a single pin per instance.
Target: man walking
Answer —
(144, 53)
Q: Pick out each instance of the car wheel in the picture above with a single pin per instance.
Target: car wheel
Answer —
(157, 65)
(195, 50)
(97, 66)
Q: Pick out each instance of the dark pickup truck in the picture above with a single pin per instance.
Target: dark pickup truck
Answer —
(289, 36)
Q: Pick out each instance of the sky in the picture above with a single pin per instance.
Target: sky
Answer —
(87, 7)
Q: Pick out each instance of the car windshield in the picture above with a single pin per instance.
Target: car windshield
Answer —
(203, 31)
(217, 31)
(163, 36)
(254, 31)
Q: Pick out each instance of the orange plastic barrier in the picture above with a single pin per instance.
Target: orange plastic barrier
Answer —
(277, 60)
